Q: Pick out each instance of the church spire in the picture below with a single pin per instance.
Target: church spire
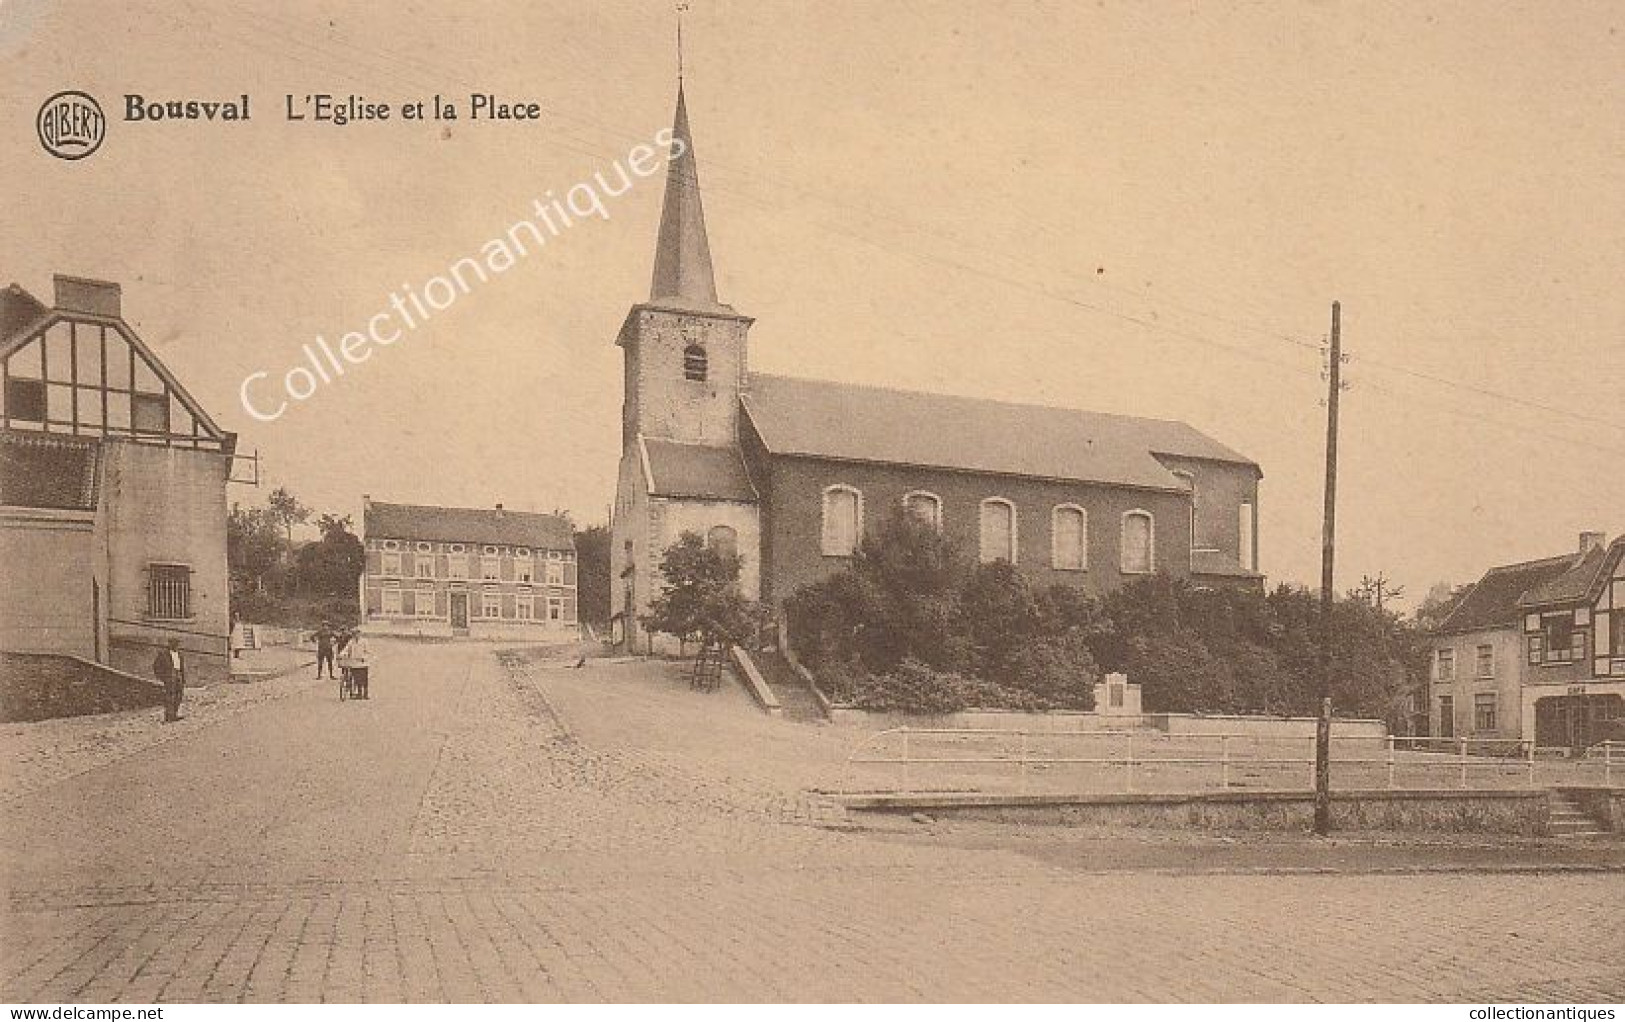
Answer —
(683, 254)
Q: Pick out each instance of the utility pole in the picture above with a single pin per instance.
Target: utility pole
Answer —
(1323, 726)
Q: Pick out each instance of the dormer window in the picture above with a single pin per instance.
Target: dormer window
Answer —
(694, 363)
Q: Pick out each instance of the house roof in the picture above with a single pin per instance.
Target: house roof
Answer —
(18, 309)
(47, 472)
(467, 525)
(1573, 584)
(20, 325)
(856, 423)
(1495, 600)
(693, 470)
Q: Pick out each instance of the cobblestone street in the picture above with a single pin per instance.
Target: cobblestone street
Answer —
(527, 832)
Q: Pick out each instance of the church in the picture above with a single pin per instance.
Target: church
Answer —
(789, 472)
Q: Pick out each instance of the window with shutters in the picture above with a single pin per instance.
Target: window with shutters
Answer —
(694, 363)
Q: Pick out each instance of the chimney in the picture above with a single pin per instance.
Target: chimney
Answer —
(80, 294)
(1590, 541)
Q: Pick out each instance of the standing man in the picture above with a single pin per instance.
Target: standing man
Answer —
(171, 670)
(324, 649)
(358, 655)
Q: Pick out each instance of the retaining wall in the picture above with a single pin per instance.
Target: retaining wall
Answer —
(1498, 812)
(42, 686)
(1070, 721)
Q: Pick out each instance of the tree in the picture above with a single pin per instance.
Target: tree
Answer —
(254, 548)
(287, 511)
(702, 598)
(1440, 600)
(1376, 590)
(911, 602)
(592, 573)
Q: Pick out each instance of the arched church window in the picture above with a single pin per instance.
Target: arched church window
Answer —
(998, 530)
(724, 540)
(843, 521)
(1139, 543)
(1069, 538)
(694, 363)
(925, 507)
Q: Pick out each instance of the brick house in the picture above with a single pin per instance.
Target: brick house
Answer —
(483, 573)
(1535, 650)
(112, 490)
(790, 472)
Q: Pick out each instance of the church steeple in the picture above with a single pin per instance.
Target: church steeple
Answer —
(682, 273)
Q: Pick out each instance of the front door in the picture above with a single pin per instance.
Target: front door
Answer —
(1447, 717)
(459, 611)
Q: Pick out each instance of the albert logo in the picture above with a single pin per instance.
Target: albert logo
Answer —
(71, 125)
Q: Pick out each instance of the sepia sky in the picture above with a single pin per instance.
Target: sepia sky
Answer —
(1143, 208)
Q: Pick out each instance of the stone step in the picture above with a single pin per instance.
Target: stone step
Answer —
(1566, 818)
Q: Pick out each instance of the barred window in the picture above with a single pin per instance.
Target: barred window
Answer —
(169, 591)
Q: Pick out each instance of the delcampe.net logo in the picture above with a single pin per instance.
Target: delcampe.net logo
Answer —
(71, 125)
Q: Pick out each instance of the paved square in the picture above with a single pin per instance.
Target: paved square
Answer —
(482, 832)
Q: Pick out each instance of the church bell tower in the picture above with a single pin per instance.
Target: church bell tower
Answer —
(685, 352)
(685, 368)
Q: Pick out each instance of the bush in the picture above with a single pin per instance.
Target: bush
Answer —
(915, 688)
(1057, 674)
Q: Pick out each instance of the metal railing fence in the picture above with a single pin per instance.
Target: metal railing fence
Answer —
(1155, 762)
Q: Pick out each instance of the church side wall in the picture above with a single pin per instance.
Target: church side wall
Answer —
(1221, 489)
(793, 502)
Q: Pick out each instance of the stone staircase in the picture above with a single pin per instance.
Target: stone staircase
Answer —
(1566, 818)
(795, 698)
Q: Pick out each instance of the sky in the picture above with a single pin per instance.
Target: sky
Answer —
(1145, 208)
